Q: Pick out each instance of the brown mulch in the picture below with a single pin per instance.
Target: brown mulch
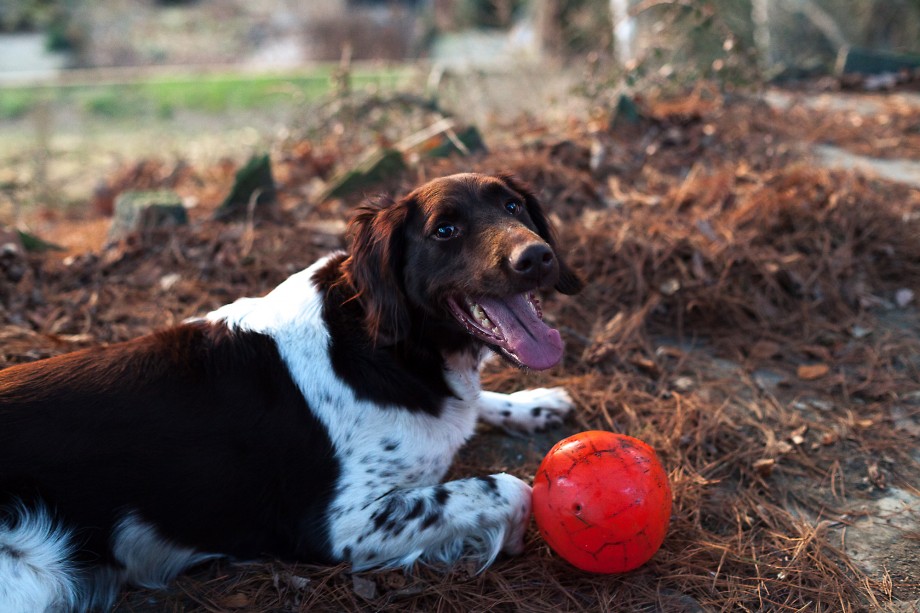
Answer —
(717, 260)
(888, 126)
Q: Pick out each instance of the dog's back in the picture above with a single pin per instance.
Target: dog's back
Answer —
(100, 446)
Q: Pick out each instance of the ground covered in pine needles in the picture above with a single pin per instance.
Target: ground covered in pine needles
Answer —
(750, 315)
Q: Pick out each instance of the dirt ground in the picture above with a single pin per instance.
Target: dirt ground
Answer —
(750, 314)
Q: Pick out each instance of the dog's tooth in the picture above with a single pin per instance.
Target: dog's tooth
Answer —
(480, 316)
(535, 304)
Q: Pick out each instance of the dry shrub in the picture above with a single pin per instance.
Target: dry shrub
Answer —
(709, 261)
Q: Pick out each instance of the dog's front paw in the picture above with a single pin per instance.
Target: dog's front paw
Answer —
(538, 409)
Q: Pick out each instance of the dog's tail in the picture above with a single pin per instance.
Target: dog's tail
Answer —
(36, 571)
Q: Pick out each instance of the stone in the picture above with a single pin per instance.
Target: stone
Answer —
(378, 166)
(470, 138)
(143, 211)
(254, 178)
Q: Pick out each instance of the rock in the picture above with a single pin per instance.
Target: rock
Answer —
(32, 243)
(143, 211)
(380, 165)
(12, 256)
(903, 297)
(626, 112)
(253, 178)
(470, 138)
(365, 588)
(870, 62)
(13, 266)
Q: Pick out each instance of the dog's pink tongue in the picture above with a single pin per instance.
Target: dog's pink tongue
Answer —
(534, 343)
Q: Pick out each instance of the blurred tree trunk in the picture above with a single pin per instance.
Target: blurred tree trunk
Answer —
(624, 32)
(549, 27)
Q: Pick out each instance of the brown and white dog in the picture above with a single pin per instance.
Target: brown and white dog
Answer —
(312, 424)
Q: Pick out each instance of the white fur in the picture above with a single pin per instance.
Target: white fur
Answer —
(35, 575)
(473, 524)
(363, 434)
(150, 561)
(525, 411)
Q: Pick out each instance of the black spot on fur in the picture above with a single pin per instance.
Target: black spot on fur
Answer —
(489, 484)
(431, 518)
(381, 517)
(416, 510)
(8, 552)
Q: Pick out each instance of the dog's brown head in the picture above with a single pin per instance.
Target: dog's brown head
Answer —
(463, 256)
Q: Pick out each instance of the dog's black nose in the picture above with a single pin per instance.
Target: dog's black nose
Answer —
(533, 261)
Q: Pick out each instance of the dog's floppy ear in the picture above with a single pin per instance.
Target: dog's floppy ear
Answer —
(569, 282)
(374, 267)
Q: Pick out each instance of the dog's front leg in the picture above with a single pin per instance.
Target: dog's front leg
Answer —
(526, 411)
(465, 519)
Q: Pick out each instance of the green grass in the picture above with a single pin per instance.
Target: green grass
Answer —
(162, 97)
(16, 103)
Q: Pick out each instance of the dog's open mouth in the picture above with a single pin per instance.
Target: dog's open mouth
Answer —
(514, 325)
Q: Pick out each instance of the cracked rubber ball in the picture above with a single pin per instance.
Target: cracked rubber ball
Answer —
(602, 501)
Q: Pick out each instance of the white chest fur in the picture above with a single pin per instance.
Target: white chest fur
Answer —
(380, 448)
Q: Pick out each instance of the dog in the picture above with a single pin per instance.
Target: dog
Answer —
(312, 424)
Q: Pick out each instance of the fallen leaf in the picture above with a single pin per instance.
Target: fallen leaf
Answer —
(669, 287)
(797, 436)
(365, 588)
(810, 372)
(877, 476)
(394, 580)
(782, 447)
(903, 297)
(764, 466)
(297, 582)
(235, 601)
(645, 364)
(764, 350)
(669, 351)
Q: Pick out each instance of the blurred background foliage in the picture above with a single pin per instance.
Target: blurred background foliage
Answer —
(718, 36)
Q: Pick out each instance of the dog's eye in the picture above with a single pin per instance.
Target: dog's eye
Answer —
(446, 231)
(513, 207)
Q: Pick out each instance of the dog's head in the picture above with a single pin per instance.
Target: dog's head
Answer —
(464, 255)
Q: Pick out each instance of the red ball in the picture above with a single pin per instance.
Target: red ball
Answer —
(602, 501)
